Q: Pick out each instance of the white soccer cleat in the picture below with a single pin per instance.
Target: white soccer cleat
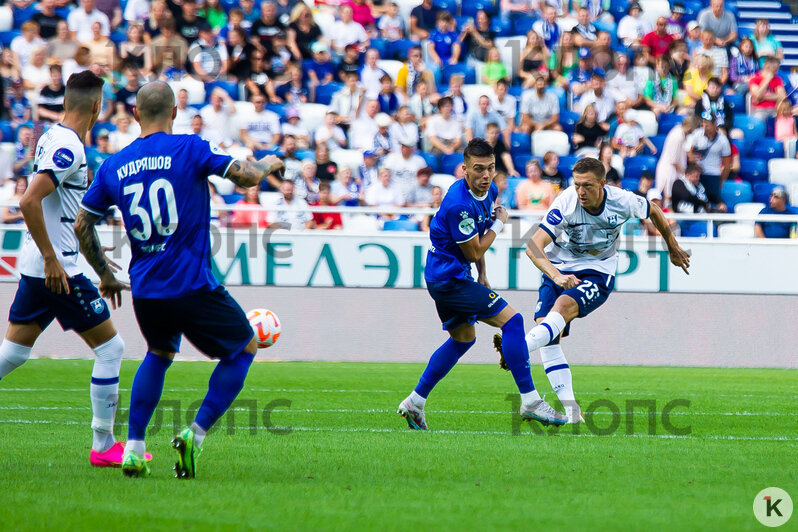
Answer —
(543, 412)
(574, 415)
(413, 414)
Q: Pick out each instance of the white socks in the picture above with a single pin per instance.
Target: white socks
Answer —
(530, 397)
(545, 332)
(136, 446)
(12, 356)
(199, 434)
(417, 399)
(559, 373)
(104, 391)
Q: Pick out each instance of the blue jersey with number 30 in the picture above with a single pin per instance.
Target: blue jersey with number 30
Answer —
(160, 184)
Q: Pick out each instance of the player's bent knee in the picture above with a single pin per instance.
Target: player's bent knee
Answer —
(109, 358)
(464, 333)
(252, 346)
(567, 307)
(516, 322)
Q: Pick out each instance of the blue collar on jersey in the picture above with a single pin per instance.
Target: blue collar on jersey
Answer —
(603, 204)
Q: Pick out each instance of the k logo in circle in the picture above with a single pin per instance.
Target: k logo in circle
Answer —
(773, 507)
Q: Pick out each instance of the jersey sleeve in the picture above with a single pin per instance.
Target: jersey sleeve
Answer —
(554, 222)
(461, 222)
(635, 206)
(212, 160)
(60, 161)
(97, 200)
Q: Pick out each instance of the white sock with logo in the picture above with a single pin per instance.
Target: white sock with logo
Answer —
(104, 391)
(559, 373)
(12, 356)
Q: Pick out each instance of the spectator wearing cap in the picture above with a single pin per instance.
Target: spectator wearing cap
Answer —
(621, 82)
(320, 69)
(261, 128)
(346, 31)
(47, 19)
(404, 129)
(778, 204)
(676, 24)
(367, 173)
(382, 139)
(658, 40)
(208, 55)
(347, 101)
(24, 44)
(633, 27)
(364, 128)
(422, 20)
(719, 58)
(181, 125)
(96, 155)
(413, 72)
(371, 74)
(326, 220)
(693, 37)
(540, 109)
(598, 97)
(50, 105)
(579, 77)
(420, 196)
(293, 220)
(404, 165)
(80, 21)
(710, 149)
(350, 62)
(293, 127)
(477, 120)
(444, 132)
(713, 101)
(547, 27)
(722, 23)
(585, 33)
(169, 51)
(766, 89)
(533, 193)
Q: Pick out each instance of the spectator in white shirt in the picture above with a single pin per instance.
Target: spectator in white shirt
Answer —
(363, 130)
(293, 127)
(404, 164)
(126, 132)
(444, 132)
(208, 54)
(181, 125)
(330, 134)
(505, 105)
(217, 115)
(540, 109)
(261, 128)
(346, 102)
(383, 193)
(404, 129)
(599, 97)
(370, 74)
(23, 45)
(346, 31)
(81, 19)
(633, 27)
(294, 220)
(621, 83)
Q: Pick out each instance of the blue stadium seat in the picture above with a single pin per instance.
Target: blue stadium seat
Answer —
(22, 15)
(232, 199)
(432, 160)
(460, 68)
(668, 120)
(735, 192)
(382, 46)
(753, 170)
(630, 183)
(736, 102)
(762, 192)
(742, 146)
(520, 143)
(768, 149)
(658, 141)
(400, 225)
(278, 108)
(470, 7)
(561, 96)
(635, 166)
(516, 91)
(304, 155)
(450, 162)
(96, 129)
(522, 25)
(568, 120)
(512, 184)
(520, 160)
(447, 5)
(227, 5)
(324, 93)
(7, 131)
(501, 27)
(753, 127)
(566, 165)
(230, 87)
(694, 228)
(399, 49)
(770, 126)
(7, 36)
(263, 153)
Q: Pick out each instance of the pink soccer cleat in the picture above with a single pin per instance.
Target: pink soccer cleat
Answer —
(112, 457)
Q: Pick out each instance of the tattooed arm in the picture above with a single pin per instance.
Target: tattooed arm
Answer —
(91, 248)
(248, 173)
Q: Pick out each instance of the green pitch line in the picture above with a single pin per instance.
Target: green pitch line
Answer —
(318, 446)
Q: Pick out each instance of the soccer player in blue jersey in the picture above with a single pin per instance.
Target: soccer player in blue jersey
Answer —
(576, 248)
(160, 184)
(51, 285)
(461, 233)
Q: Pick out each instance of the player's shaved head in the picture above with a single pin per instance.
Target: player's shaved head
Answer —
(83, 91)
(155, 101)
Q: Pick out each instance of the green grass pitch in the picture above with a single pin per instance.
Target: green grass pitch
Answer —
(350, 463)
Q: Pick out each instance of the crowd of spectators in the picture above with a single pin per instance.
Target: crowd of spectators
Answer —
(580, 70)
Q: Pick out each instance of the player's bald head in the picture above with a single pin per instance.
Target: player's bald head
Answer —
(83, 92)
(155, 101)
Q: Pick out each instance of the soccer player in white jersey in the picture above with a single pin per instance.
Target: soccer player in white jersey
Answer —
(576, 248)
(51, 284)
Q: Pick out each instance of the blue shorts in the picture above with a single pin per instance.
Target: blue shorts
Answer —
(460, 301)
(81, 309)
(211, 320)
(591, 293)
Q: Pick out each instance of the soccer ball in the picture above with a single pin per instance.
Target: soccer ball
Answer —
(266, 325)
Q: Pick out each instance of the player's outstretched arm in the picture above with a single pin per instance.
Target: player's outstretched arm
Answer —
(43, 184)
(474, 249)
(534, 250)
(248, 173)
(90, 247)
(678, 256)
